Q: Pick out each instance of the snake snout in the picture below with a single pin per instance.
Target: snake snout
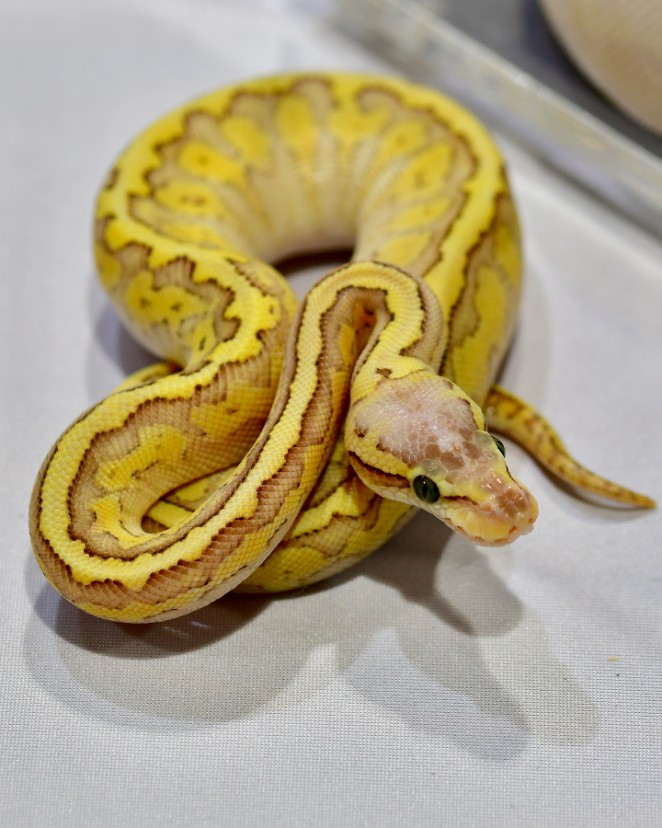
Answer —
(508, 513)
(498, 513)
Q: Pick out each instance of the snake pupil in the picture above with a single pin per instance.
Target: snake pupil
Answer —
(426, 489)
(500, 445)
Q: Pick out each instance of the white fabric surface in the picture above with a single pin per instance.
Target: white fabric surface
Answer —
(435, 684)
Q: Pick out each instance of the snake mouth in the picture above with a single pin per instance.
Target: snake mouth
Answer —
(485, 525)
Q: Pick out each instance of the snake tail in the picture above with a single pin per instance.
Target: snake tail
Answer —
(512, 417)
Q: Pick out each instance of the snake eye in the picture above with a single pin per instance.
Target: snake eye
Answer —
(425, 489)
(499, 445)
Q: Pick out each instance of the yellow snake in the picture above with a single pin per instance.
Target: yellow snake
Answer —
(225, 465)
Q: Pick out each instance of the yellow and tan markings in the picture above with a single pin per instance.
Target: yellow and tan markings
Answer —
(203, 473)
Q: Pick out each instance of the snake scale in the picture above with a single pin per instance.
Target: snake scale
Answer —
(277, 444)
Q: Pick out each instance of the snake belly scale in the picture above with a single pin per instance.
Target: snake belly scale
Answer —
(274, 446)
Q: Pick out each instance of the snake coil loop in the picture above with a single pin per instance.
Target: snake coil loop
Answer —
(276, 446)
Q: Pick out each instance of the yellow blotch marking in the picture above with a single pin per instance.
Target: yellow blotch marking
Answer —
(162, 227)
(168, 514)
(252, 144)
(419, 214)
(195, 199)
(200, 337)
(403, 250)
(423, 175)
(171, 304)
(141, 609)
(281, 572)
(265, 315)
(345, 500)
(194, 493)
(149, 373)
(117, 235)
(220, 421)
(508, 252)
(492, 304)
(401, 139)
(202, 160)
(108, 519)
(346, 343)
(195, 234)
(157, 444)
(470, 356)
(296, 124)
(351, 126)
(110, 270)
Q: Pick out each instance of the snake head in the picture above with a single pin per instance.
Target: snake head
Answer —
(421, 440)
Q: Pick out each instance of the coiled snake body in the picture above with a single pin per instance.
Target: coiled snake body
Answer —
(225, 465)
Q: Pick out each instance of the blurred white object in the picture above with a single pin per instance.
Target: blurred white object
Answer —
(416, 36)
(618, 45)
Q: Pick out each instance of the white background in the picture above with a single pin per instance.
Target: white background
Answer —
(435, 684)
